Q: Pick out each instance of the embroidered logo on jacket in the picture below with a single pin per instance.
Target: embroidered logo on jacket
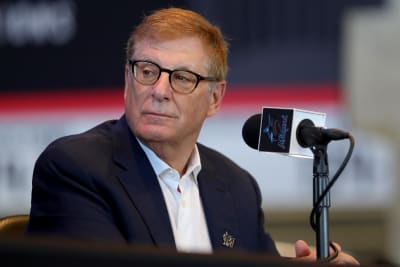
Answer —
(228, 240)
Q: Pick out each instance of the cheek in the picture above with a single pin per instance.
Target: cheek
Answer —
(134, 98)
(129, 99)
(132, 103)
(196, 109)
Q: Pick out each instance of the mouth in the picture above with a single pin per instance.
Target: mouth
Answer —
(159, 115)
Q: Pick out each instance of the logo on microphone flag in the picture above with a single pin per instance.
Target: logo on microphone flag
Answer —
(275, 132)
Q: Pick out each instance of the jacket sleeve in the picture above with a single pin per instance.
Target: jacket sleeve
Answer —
(267, 243)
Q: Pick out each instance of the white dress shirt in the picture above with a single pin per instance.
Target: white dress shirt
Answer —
(182, 198)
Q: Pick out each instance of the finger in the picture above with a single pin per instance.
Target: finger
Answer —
(337, 246)
(334, 248)
(342, 257)
(345, 259)
(302, 249)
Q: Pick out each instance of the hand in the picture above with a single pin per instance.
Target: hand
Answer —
(305, 254)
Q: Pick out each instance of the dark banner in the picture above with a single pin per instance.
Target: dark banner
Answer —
(67, 44)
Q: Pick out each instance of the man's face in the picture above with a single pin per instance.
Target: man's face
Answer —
(158, 114)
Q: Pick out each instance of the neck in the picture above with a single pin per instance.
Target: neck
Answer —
(176, 155)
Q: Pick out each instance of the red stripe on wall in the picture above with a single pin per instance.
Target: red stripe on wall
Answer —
(67, 100)
(283, 95)
(106, 99)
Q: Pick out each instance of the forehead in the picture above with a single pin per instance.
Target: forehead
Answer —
(187, 52)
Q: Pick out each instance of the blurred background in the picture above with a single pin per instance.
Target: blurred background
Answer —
(62, 72)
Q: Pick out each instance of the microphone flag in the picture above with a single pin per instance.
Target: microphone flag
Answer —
(278, 130)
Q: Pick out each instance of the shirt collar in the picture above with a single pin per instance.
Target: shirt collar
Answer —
(160, 166)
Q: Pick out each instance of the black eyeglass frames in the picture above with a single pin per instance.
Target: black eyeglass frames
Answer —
(181, 81)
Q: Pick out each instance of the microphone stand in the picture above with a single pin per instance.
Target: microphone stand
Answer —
(320, 182)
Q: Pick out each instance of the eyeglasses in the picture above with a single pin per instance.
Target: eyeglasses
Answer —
(181, 81)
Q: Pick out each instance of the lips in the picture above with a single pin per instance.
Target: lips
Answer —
(159, 114)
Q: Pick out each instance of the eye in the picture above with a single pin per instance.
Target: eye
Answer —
(148, 71)
(180, 78)
(184, 77)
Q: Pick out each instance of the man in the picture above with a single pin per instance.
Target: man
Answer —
(144, 179)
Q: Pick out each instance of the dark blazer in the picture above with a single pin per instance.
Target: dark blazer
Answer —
(100, 186)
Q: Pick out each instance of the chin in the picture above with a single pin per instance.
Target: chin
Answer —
(155, 134)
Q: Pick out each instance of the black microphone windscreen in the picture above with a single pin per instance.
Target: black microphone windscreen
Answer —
(251, 131)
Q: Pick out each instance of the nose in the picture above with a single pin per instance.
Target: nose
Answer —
(162, 88)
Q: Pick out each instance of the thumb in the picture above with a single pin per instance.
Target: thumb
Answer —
(302, 249)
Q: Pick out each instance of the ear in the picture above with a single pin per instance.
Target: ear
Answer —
(127, 80)
(216, 96)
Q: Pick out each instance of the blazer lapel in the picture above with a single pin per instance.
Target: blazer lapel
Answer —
(218, 207)
(137, 176)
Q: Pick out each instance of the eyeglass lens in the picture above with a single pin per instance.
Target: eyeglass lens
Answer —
(148, 73)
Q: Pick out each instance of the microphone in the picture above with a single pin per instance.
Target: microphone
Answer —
(300, 133)
(308, 135)
(288, 131)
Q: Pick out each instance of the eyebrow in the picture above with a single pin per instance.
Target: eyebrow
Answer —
(188, 68)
